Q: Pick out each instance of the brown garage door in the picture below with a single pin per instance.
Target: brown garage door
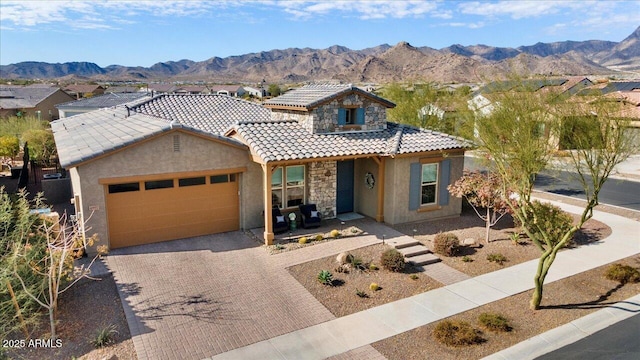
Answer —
(166, 209)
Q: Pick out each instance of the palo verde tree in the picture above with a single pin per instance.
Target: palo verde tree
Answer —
(430, 106)
(483, 191)
(520, 137)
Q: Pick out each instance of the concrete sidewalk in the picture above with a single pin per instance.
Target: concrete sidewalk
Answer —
(337, 336)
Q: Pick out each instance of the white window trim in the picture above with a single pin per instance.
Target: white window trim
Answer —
(436, 183)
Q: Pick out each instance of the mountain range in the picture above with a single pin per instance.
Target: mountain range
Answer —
(383, 63)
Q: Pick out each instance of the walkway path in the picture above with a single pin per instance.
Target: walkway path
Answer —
(338, 336)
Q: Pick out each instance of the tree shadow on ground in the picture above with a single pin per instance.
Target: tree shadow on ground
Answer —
(600, 302)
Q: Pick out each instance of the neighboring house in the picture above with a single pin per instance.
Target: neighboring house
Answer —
(80, 91)
(38, 102)
(192, 89)
(231, 90)
(178, 166)
(97, 102)
(162, 88)
(256, 93)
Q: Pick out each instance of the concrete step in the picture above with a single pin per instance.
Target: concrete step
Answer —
(424, 259)
(414, 250)
(403, 242)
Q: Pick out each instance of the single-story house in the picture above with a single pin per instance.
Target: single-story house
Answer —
(178, 166)
(231, 90)
(80, 91)
(82, 106)
(38, 102)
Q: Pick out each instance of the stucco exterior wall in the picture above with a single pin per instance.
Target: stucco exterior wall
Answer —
(157, 157)
(396, 202)
(366, 200)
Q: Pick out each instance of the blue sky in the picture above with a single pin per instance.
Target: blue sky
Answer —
(146, 32)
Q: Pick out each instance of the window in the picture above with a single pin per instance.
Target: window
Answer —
(428, 180)
(120, 188)
(351, 116)
(288, 186)
(192, 181)
(158, 184)
(429, 184)
(217, 179)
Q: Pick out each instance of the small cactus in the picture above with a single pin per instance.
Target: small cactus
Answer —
(335, 233)
(303, 240)
(374, 287)
(319, 237)
(325, 277)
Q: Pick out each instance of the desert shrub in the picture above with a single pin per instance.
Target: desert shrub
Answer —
(392, 260)
(303, 240)
(356, 262)
(456, 333)
(543, 216)
(342, 269)
(466, 259)
(325, 277)
(414, 277)
(361, 294)
(319, 237)
(279, 247)
(334, 233)
(622, 273)
(494, 322)
(373, 267)
(104, 336)
(374, 287)
(446, 244)
(496, 258)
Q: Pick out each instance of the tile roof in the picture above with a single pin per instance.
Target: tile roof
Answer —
(82, 88)
(288, 140)
(211, 113)
(102, 101)
(310, 96)
(17, 97)
(85, 136)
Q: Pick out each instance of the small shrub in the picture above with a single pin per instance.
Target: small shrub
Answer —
(325, 277)
(342, 269)
(335, 233)
(494, 322)
(104, 336)
(622, 273)
(361, 294)
(446, 244)
(456, 333)
(303, 240)
(373, 267)
(496, 258)
(467, 259)
(319, 237)
(354, 230)
(392, 260)
(279, 247)
(356, 262)
(414, 277)
(374, 287)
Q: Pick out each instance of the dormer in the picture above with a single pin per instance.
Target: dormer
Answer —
(330, 108)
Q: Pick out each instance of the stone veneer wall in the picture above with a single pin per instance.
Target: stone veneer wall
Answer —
(324, 119)
(326, 116)
(322, 187)
(303, 118)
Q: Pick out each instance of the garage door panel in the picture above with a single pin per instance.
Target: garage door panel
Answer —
(147, 216)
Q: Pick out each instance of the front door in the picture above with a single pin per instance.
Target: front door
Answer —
(344, 195)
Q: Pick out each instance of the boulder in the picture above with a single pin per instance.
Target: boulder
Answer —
(343, 258)
(471, 242)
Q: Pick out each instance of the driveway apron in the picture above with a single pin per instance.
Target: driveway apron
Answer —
(197, 297)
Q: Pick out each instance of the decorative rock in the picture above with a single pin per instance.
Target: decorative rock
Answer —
(469, 242)
(343, 258)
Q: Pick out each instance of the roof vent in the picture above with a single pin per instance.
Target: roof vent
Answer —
(176, 143)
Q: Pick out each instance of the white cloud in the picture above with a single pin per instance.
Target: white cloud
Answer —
(364, 10)
(514, 9)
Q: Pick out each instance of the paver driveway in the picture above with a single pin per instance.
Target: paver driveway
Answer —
(194, 298)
